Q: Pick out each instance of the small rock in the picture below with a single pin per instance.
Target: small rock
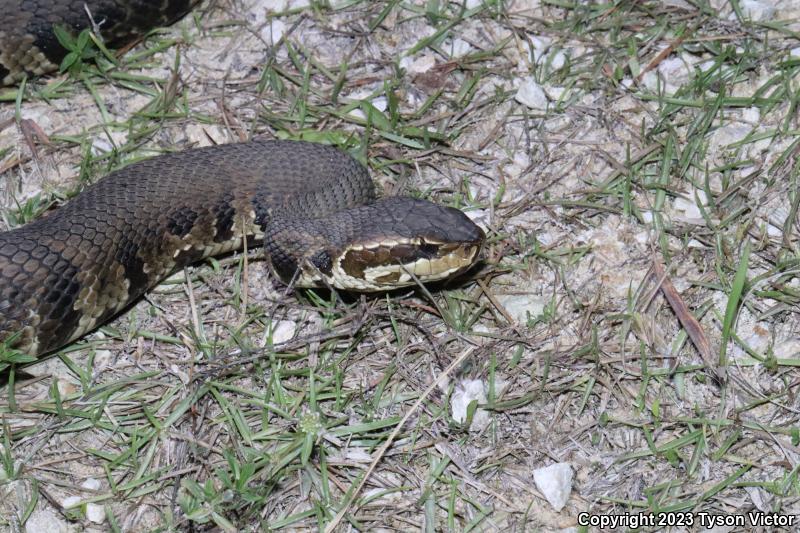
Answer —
(70, 501)
(729, 134)
(91, 484)
(557, 60)
(555, 483)
(751, 115)
(522, 307)
(95, 513)
(795, 52)
(459, 48)
(465, 392)
(101, 145)
(283, 331)
(380, 103)
(419, 65)
(530, 93)
(687, 204)
(787, 349)
(275, 5)
(358, 455)
(756, 10)
(555, 93)
(273, 32)
(45, 520)
(479, 217)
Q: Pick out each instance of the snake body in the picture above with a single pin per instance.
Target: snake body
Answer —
(28, 45)
(314, 207)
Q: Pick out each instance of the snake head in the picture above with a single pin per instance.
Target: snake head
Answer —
(381, 246)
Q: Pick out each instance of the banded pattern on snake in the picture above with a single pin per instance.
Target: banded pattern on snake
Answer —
(314, 207)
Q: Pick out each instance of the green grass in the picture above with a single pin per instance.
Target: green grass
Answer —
(190, 417)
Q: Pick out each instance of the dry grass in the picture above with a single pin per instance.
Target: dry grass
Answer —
(646, 219)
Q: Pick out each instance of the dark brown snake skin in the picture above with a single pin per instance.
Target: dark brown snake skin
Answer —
(29, 46)
(66, 273)
(313, 206)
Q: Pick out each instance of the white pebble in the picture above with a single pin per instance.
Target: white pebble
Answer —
(70, 501)
(283, 331)
(756, 10)
(751, 115)
(555, 483)
(95, 513)
(522, 307)
(465, 392)
(419, 65)
(91, 484)
(459, 48)
(530, 93)
(273, 31)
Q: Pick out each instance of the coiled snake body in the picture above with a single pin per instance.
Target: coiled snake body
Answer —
(28, 44)
(314, 207)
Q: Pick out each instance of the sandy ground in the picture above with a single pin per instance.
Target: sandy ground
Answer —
(585, 175)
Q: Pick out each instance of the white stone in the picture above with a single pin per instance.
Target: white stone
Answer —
(465, 392)
(521, 307)
(273, 32)
(555, 93)
(795, 52)
(418, 65)
(275, 5)
(100, 146)
(380, 103)
(751, 115)
(756, 10)
(479, 217)
(557, 60)
(283, 331)
(555, 483)
(459, 48)
(472, 4)
(687, 204)
(774, 231)
(530, 93)
(70, 501)
(358, 455)
(672, 66)
(539, 45)
(729, 134)
(45, 520)
(787, 349)
(95, 513)
(91, 484)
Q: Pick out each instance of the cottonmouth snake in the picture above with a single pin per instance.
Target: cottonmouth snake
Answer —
(313, 206)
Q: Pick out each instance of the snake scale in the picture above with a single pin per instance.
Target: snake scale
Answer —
(313, 206)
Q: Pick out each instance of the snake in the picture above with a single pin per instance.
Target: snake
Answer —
(28, 42)
(312, 207)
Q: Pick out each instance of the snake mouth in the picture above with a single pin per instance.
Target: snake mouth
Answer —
(388, 265)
